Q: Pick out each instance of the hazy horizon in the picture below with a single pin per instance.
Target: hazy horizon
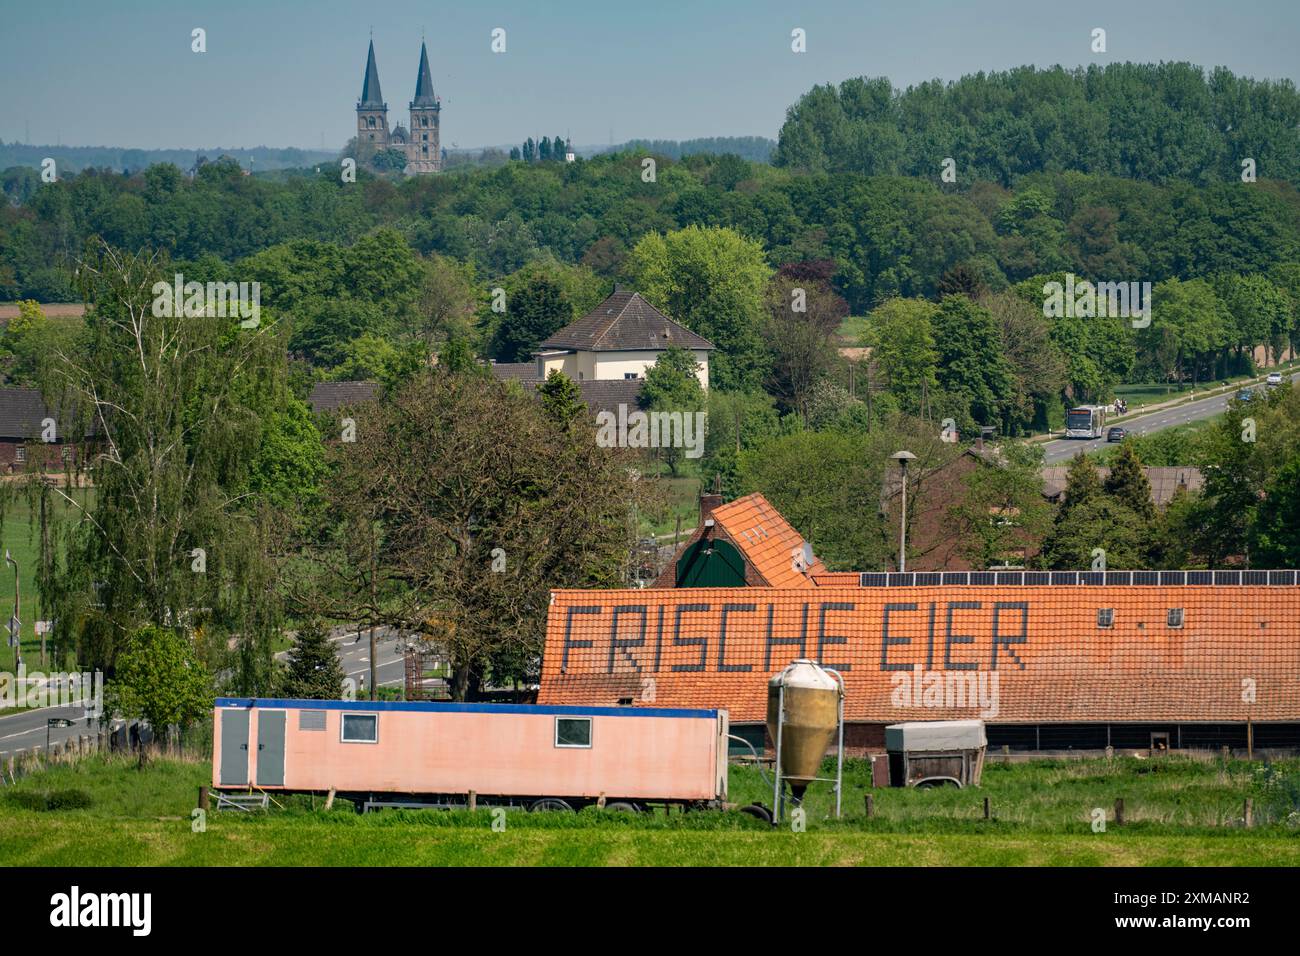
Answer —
(81, 74)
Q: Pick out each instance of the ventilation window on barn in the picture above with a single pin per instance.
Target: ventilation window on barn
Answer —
(20, 453)
(1105, 617)
(1174, 618)
(311, 720)
(360, 728)
(573, 731)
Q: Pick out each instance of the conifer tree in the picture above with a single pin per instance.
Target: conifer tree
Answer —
(314, 671)
(561, 397)
(1128, 482)
(1081, 485)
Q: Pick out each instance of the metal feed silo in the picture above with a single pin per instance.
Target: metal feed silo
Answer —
(805, 713)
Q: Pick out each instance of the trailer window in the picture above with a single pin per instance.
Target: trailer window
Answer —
(311, 720)
(573, 731)
(360, 728)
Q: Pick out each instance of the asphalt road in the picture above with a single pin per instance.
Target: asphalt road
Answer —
(1063, 449)
(355, 656)
(26, 729)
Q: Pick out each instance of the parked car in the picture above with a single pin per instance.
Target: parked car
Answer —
(1274, 378)
(1115, 433)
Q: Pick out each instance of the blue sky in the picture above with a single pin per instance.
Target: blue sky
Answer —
(288, 73)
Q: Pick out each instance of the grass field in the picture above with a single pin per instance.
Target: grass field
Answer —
(1179, 811)
(20, 536)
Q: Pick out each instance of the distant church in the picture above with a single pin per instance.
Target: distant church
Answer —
(420, 144)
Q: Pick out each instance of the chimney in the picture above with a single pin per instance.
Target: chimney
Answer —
(707, 503)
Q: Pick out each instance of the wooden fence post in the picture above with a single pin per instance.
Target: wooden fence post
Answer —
(329, 800)
(473, 801)
(203, 798)
(986, 808)
(1250, 812)
(871, 806)
(1119, 812)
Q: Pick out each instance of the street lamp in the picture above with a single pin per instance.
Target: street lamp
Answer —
(903, 457)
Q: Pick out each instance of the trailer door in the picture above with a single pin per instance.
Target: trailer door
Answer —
(722, 752)
(270, 748)
(234, 748)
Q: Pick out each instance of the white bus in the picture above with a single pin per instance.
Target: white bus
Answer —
(1085, 421)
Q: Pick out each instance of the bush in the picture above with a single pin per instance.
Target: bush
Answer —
(50, 799)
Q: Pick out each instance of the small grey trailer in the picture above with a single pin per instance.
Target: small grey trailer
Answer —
(931, 753)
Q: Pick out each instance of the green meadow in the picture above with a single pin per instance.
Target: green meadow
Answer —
(1178, 812)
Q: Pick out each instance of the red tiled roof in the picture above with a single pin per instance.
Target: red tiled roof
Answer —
(1236, 655)
(767, 540)
(837, 579)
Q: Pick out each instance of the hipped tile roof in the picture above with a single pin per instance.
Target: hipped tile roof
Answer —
(1235, 657)
(624, 321)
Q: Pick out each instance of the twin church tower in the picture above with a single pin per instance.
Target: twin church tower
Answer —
(420, 144)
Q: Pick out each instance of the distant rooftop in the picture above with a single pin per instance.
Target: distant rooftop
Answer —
(624, 322)
(329, 396)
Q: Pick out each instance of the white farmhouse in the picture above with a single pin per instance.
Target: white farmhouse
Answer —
(617, 341)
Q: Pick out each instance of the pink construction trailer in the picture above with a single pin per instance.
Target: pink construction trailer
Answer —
(419, 753)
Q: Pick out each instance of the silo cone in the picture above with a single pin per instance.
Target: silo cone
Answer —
(812, 718)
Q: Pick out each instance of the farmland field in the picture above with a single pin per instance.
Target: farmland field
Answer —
(20, 536)
(1178, 811)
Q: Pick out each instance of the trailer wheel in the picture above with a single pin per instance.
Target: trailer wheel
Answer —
(622, 806)
(548, 803)
(758, 812)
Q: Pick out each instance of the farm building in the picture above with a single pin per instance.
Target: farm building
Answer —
(1050, 660)
(32, 434)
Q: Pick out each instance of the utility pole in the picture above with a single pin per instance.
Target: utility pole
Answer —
(374, 672)
(16, 624)
(903, 457)
(43, 579)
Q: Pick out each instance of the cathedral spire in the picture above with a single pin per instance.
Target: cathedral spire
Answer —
(371, 96)
(424, 81)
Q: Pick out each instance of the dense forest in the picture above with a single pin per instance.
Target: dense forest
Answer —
(888, 235)
(71, 159)
(756, 149)
(1151, 122)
